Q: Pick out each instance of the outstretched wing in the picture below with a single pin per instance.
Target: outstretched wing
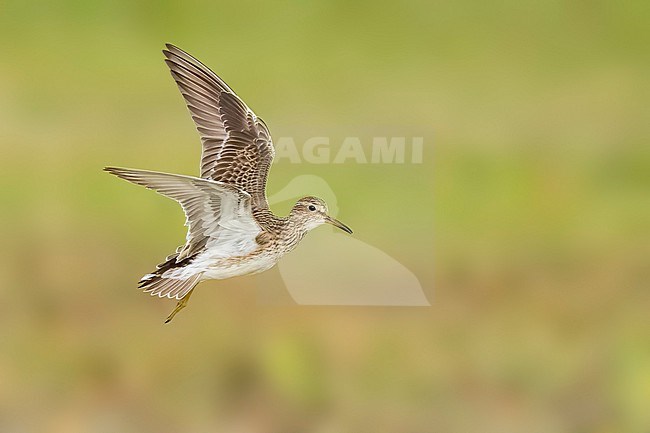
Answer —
(237, 146)
(219, 216)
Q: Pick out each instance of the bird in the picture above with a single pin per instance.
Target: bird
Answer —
(231, 229)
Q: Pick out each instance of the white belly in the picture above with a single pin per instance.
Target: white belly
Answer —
(220, 268)
(215, 265)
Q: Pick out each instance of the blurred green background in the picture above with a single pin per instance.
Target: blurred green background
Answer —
(527, 222)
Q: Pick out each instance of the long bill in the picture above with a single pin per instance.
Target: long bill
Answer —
(339, 224)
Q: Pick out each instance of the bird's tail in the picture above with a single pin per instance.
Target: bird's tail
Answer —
(168, 287)
(166, 283)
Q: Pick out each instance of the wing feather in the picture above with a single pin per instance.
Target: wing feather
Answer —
(215, 212)
(237, 145)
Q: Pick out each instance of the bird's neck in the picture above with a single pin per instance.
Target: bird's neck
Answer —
(291, 227)
(295, 229)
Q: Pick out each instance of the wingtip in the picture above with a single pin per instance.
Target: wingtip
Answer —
(169, 49)
(111, 170)
(117, 171)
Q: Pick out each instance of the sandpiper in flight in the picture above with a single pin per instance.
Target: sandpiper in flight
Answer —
(231, 230)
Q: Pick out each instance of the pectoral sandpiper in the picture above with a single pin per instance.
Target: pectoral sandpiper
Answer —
(231, 230)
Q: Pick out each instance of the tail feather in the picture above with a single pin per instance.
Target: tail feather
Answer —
(172, 288)
(163, 283)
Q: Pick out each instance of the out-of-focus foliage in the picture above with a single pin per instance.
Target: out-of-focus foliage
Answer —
(532, 196)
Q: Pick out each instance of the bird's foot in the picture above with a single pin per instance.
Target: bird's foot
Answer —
(179, 306)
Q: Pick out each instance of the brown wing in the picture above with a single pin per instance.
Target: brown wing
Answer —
(237, 146)
(219, 216)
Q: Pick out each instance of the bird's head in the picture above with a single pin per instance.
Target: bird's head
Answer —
(312, 212)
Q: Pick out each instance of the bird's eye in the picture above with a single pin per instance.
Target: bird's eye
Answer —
(312, 207)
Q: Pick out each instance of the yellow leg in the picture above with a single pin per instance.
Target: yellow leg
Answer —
(179, 306)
